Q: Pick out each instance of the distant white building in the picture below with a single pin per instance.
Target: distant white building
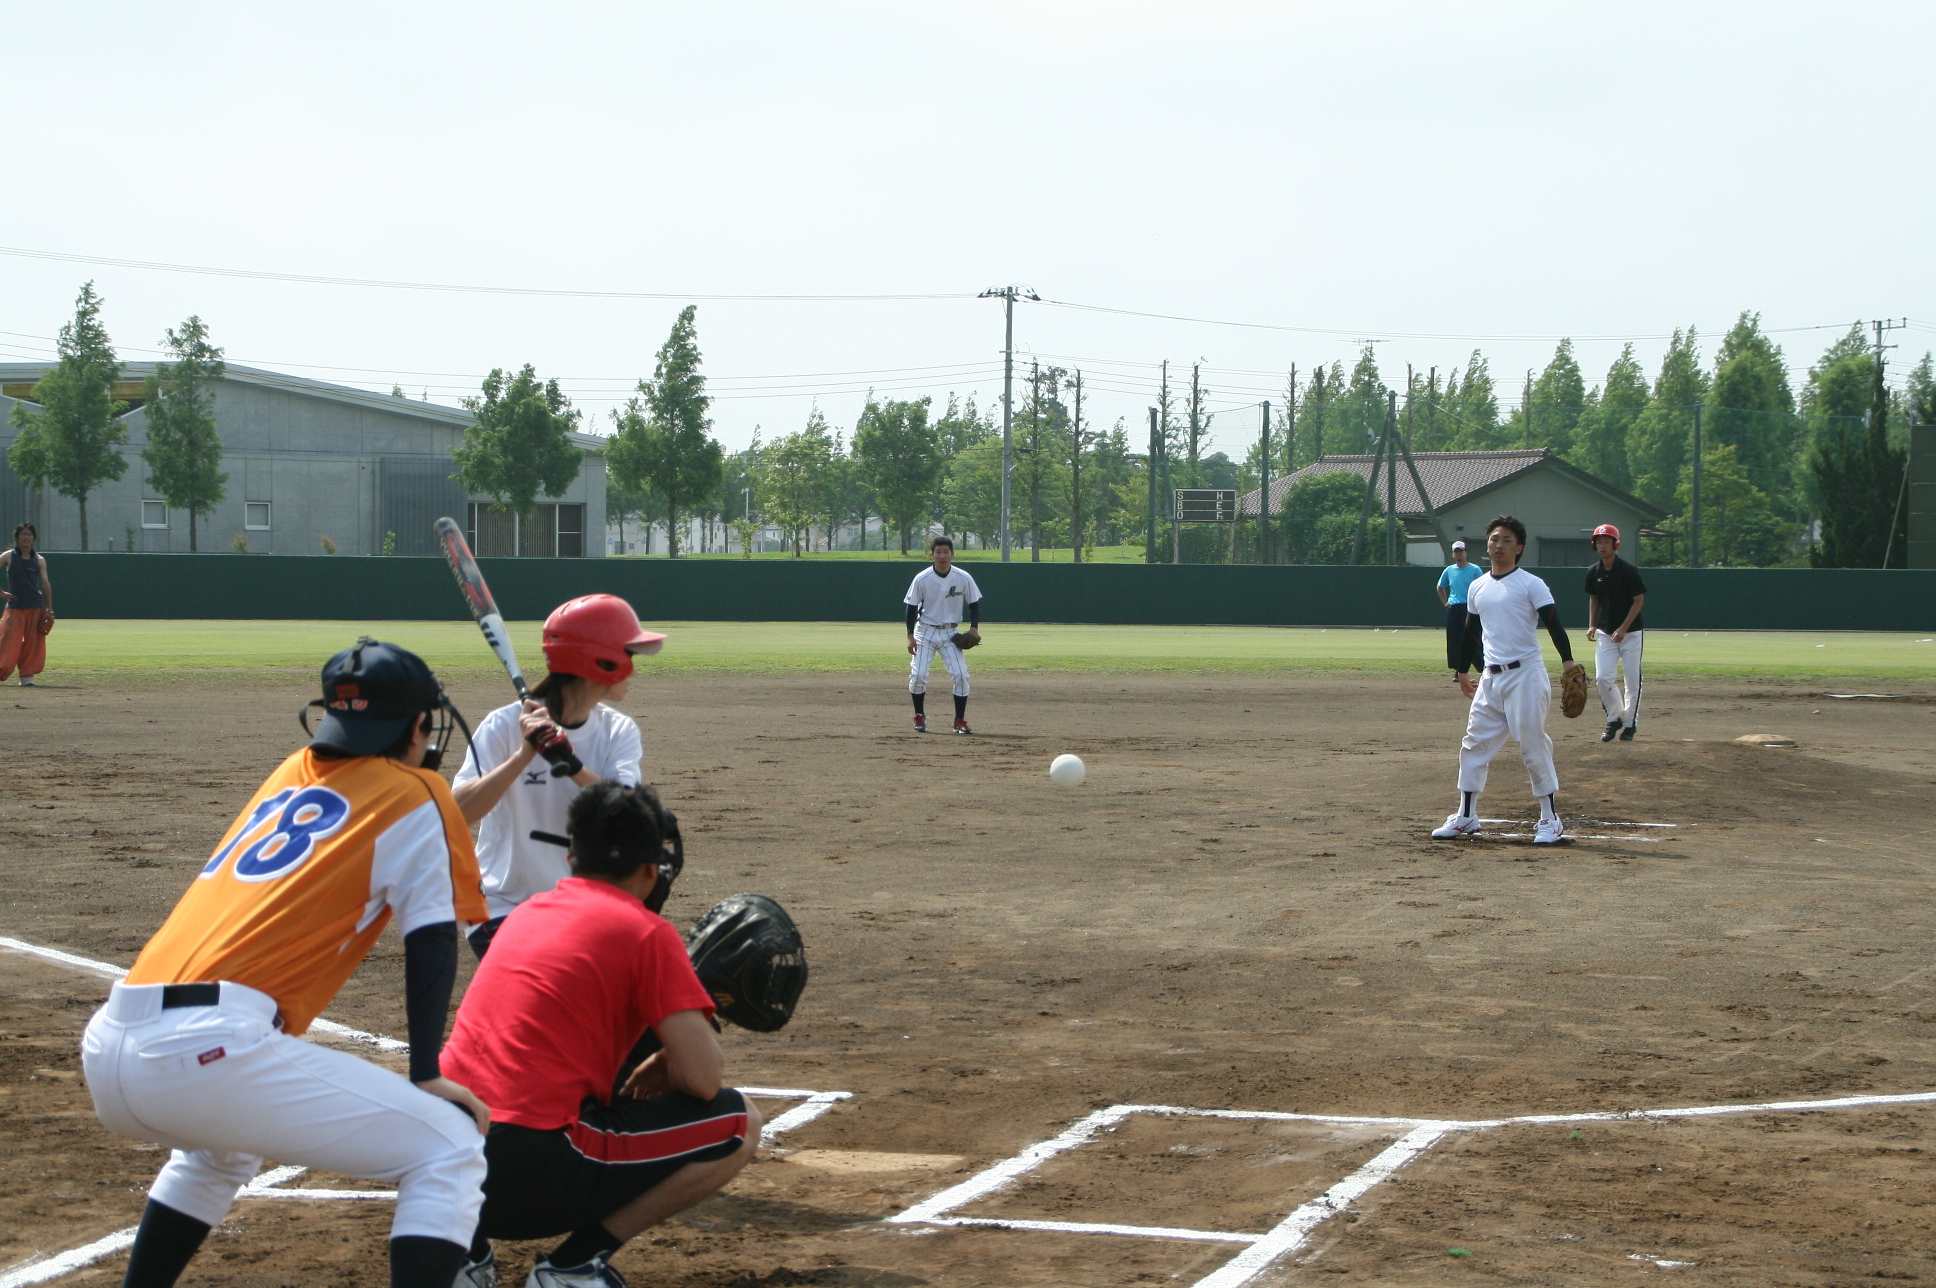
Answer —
(307, 461)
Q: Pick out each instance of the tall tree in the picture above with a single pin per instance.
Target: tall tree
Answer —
(1739, 528)
(184, 453)
(665, 445)
(1752, 408)
(972, 491)
(794, 479)
(1041, 453)
(74, 440)
(519, 442)
(1663, 433)
(1471, 405)
(1557, 401)
(1358, 416)
(1857, 473)
(895, 456)
(1600, 438)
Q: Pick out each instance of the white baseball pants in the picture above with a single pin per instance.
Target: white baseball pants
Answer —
(931, 642)
(1622, 702)
(224, 1088)
(1511, 703)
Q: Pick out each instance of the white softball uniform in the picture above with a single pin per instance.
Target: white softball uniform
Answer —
(514, 866)
(1513, 700)
(223, 1088)
(1622, 701)
(938, 603)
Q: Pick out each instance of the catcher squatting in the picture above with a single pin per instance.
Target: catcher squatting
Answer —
(934, 603)
(522, 1127)
(1512, 695)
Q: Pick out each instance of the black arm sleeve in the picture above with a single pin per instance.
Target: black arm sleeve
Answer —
(429, 971)
(910, 619)
(1549, 617)
(1472, 643)
(974, 615)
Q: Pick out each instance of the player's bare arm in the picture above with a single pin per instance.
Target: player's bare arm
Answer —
(1592, 616)
(689, 1061)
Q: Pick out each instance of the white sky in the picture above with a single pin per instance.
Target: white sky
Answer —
(1374, 169)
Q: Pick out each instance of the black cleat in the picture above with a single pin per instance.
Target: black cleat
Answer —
(1613, 727)
(1626, 734)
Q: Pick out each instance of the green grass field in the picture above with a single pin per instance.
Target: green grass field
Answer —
(762, 647)
(1090, 554)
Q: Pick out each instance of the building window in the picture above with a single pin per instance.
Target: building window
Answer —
(547, 532)
(255, 516)
(1565, 552)
(154, 514)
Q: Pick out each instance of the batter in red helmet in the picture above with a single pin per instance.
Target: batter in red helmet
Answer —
(589, 644)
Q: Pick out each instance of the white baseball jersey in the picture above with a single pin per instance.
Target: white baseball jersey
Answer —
(938, 600)
(1508, 610)
(514, 866)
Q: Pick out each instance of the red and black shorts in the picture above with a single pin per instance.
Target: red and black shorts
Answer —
(546, 1183)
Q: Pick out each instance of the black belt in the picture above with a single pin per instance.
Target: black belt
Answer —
(174, 995)
(1510, 666)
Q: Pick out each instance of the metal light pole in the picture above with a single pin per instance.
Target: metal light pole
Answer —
(1008, 295)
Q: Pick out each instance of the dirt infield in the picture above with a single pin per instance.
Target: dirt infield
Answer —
(1240, 909)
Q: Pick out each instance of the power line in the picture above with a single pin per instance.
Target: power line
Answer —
(153, 266)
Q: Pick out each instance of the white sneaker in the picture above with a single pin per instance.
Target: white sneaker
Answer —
(27, 682)
(1457, 825)
(478, 1274)
(593, 1274)
(1548, 831)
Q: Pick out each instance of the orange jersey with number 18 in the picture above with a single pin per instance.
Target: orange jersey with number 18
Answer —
(308, 876)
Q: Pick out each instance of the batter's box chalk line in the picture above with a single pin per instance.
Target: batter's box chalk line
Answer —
(1414, 1136)
(274, 1183)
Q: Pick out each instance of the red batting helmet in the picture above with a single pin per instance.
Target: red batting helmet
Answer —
(1608, 530)
(595, 636)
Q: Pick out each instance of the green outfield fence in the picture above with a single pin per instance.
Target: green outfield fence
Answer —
(317, 587)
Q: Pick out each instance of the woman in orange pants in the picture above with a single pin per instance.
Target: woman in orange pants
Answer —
(30, 607)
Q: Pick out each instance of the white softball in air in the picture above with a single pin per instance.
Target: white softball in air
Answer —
(1067, 771)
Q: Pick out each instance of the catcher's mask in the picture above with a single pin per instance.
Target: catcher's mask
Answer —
(748, 955)
(373, 693)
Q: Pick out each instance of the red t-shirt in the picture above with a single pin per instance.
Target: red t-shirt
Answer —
(574, 978)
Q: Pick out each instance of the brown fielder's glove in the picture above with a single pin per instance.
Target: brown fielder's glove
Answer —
(46, 621)
(1572, 690)
(968, 638)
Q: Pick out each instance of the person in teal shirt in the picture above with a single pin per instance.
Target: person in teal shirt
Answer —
(1452, 587)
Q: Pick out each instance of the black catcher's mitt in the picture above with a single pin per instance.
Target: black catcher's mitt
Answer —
(968, 638)
(748, 955)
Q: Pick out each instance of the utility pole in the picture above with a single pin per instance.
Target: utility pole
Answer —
(1008, 295)
(1034, 450)
(1075, 477)
(1431, 400)
(1526, 410)
(1155, 454)
(1196, 411)
(1879, 425)
(1290, 421)
(1263, 493)
(1694, 511)
(1391, 478)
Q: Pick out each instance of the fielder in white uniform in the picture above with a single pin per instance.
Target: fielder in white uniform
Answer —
(1615, 594)
(934, 607)
(1506, 607)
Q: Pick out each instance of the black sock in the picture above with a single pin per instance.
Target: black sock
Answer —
(583, 1245)
(163, 1247)
(920, 703)
(419, 1261)
(961, 708)
(1467, 811)
(480, 1246)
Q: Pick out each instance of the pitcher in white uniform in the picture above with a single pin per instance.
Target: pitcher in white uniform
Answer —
(934, 604)
(1504, 610)
(589, 644)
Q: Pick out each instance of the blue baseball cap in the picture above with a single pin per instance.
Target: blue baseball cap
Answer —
(372, 692)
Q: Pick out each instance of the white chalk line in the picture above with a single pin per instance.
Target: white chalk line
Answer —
(272, 1183)
(1589, 822)
(1417, 1136)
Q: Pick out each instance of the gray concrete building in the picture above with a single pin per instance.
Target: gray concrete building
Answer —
(1560, 504)
(309, 463)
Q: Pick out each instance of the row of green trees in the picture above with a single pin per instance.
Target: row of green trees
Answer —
(72, 438)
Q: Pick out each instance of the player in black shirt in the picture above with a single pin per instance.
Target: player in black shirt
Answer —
(1615, 594)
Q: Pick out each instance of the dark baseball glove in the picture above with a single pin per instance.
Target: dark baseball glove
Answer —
(46, 621)
(968, 638)
(748, 955)
(1572, 690)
